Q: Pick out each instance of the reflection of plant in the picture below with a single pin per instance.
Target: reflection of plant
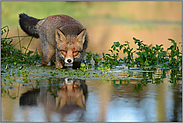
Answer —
(24, 73)
(7, 92)
(151, 77)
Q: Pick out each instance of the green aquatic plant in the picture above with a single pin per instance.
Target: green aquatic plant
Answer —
(17, 65)
(97, 59)
(104, 69)
(129, 60)
(147, 55)
(113, 58)
(88, 57)
(175, 56)
(156, 55)
(11, 55)
(83, 67)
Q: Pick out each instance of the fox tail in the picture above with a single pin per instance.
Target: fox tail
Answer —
(28, 25)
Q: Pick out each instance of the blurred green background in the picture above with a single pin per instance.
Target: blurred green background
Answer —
(124, 10)
(108, 21)
(11, 10)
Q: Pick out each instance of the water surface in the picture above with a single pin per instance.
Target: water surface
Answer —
(109, 101)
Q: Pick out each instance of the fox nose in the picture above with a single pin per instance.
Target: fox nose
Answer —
(69, 60)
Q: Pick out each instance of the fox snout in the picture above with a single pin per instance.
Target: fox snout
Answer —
(68, 55)
(68, 61)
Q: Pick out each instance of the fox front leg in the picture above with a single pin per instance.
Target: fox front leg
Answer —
(47, 53)
(76, 65)
(59, 62)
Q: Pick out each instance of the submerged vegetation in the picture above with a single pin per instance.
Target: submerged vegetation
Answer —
(140, 64)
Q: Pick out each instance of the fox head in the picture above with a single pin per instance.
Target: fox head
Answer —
(70, 47)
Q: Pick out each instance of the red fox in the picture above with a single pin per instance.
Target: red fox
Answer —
(62, 38)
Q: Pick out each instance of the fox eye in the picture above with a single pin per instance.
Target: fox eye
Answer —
(64, 51)
(75, 52)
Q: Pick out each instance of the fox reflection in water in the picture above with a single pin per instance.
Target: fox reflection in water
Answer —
(71, 94)
(65, 97)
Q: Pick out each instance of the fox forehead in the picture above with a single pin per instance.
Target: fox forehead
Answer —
(70, 46)
(71, 39)
(70, 43)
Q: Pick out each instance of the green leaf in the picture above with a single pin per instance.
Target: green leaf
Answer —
(108, 54)
(116, 44)
(114, 48)
(121, 47)
(110, 51)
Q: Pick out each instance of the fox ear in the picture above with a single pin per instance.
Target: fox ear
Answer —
(81, 37)
(60, 37)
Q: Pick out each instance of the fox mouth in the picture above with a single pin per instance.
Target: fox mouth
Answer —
(68, 64)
